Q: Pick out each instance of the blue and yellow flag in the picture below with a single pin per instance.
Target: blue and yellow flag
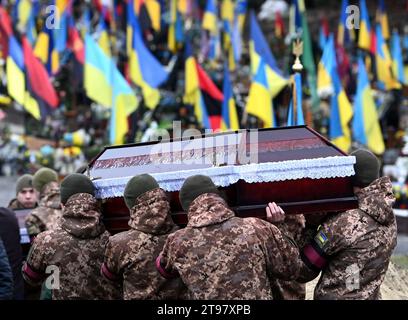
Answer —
(46, 51)
(382, 19)
(383, 63)
(300, 120)
(259, 102)
(397, 63)
(366, 126)
(259, 50)
(364, 38)
(229, 110)
(210, 17)
(105, 84)
(145, 70)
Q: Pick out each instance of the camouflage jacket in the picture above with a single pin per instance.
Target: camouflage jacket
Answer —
(130, 256)
(290, 290)
(48, 213)
(14, 204)
(76, 247)
(353, 248)
(220, 256)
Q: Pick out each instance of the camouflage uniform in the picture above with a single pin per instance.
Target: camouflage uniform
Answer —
(290, 290)
(353, 248)
(130, 256)
(15, 205)
(76, 247)
(220, 256)
(47, 215)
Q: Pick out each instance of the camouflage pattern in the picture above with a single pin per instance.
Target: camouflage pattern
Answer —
(290, 290)
(76, 247)
(357, 245)
(48, 213)
(220, 256)
(14, 204)
(130, 256)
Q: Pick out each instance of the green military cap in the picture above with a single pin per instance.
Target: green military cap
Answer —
(137, 186)
(44, 176)
(76, 183)
(195, 186)
(367, 168)
(25, 181)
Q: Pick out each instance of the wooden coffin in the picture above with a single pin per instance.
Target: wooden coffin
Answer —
(293, 166)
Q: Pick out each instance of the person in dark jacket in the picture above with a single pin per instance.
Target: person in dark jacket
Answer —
(10, 234)
(6, 276)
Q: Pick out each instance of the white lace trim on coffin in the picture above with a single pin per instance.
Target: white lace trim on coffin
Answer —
(320, 168)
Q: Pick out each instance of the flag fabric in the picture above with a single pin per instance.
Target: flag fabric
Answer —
(259, 50)
(229, 110)
(103, 41)
(46, 50)
(383, 63)
(148, 13)
(175, 33)
(397, 63)
(325, 67)
(300, 120)
(259, 102)
(38, 82)
(210, 17)
(145, 71)
(241, 8)
(366, 126)
(6, 30)
(382, 19)
(344, 34)
(365, 29)
(105, 84)
(323, 33)
(202, 93)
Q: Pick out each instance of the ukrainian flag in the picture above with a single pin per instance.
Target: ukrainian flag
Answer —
(46, 51)
(210, 17)
(300, 120)
(176, 32)
(145, 70)
(397, 63)
(240, 12)
(103, 40)
(382, 19)
(229, 110)
(365, 29)
(384, 63)
(259, 101)
(106, 85)
(366, 126)
(259, 50)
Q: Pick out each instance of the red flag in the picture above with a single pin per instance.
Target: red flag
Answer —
(76, 44)
(373, 47)
(6, 31)
(37, 78)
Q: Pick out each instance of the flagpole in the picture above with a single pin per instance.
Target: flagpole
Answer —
(297, 68)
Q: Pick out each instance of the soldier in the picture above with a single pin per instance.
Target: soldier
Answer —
(26, 195)
(352, 249)
(220, 256)
(130, 256)
(73, 252)
(292, 225)
(47, 215)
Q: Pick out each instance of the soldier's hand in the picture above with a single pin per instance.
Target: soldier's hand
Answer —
(274, 213)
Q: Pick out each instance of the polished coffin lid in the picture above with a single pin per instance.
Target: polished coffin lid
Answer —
(294, 165)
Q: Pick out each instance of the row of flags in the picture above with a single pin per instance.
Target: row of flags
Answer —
(30, 85)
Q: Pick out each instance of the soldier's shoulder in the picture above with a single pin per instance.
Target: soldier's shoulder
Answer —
(121, 237)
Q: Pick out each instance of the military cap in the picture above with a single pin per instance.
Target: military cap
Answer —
(76, 183)
(367, 168)
(42, 177)
(193, 187)
(25, 181)
(137, 186)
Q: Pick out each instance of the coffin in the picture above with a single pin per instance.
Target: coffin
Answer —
(294, 166)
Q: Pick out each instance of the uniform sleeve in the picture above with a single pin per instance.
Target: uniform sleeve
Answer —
(282, 255)
(328, 240)
(34, 225)
(112, 267)
(165, 260)
(6, 276)
(35, 266)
